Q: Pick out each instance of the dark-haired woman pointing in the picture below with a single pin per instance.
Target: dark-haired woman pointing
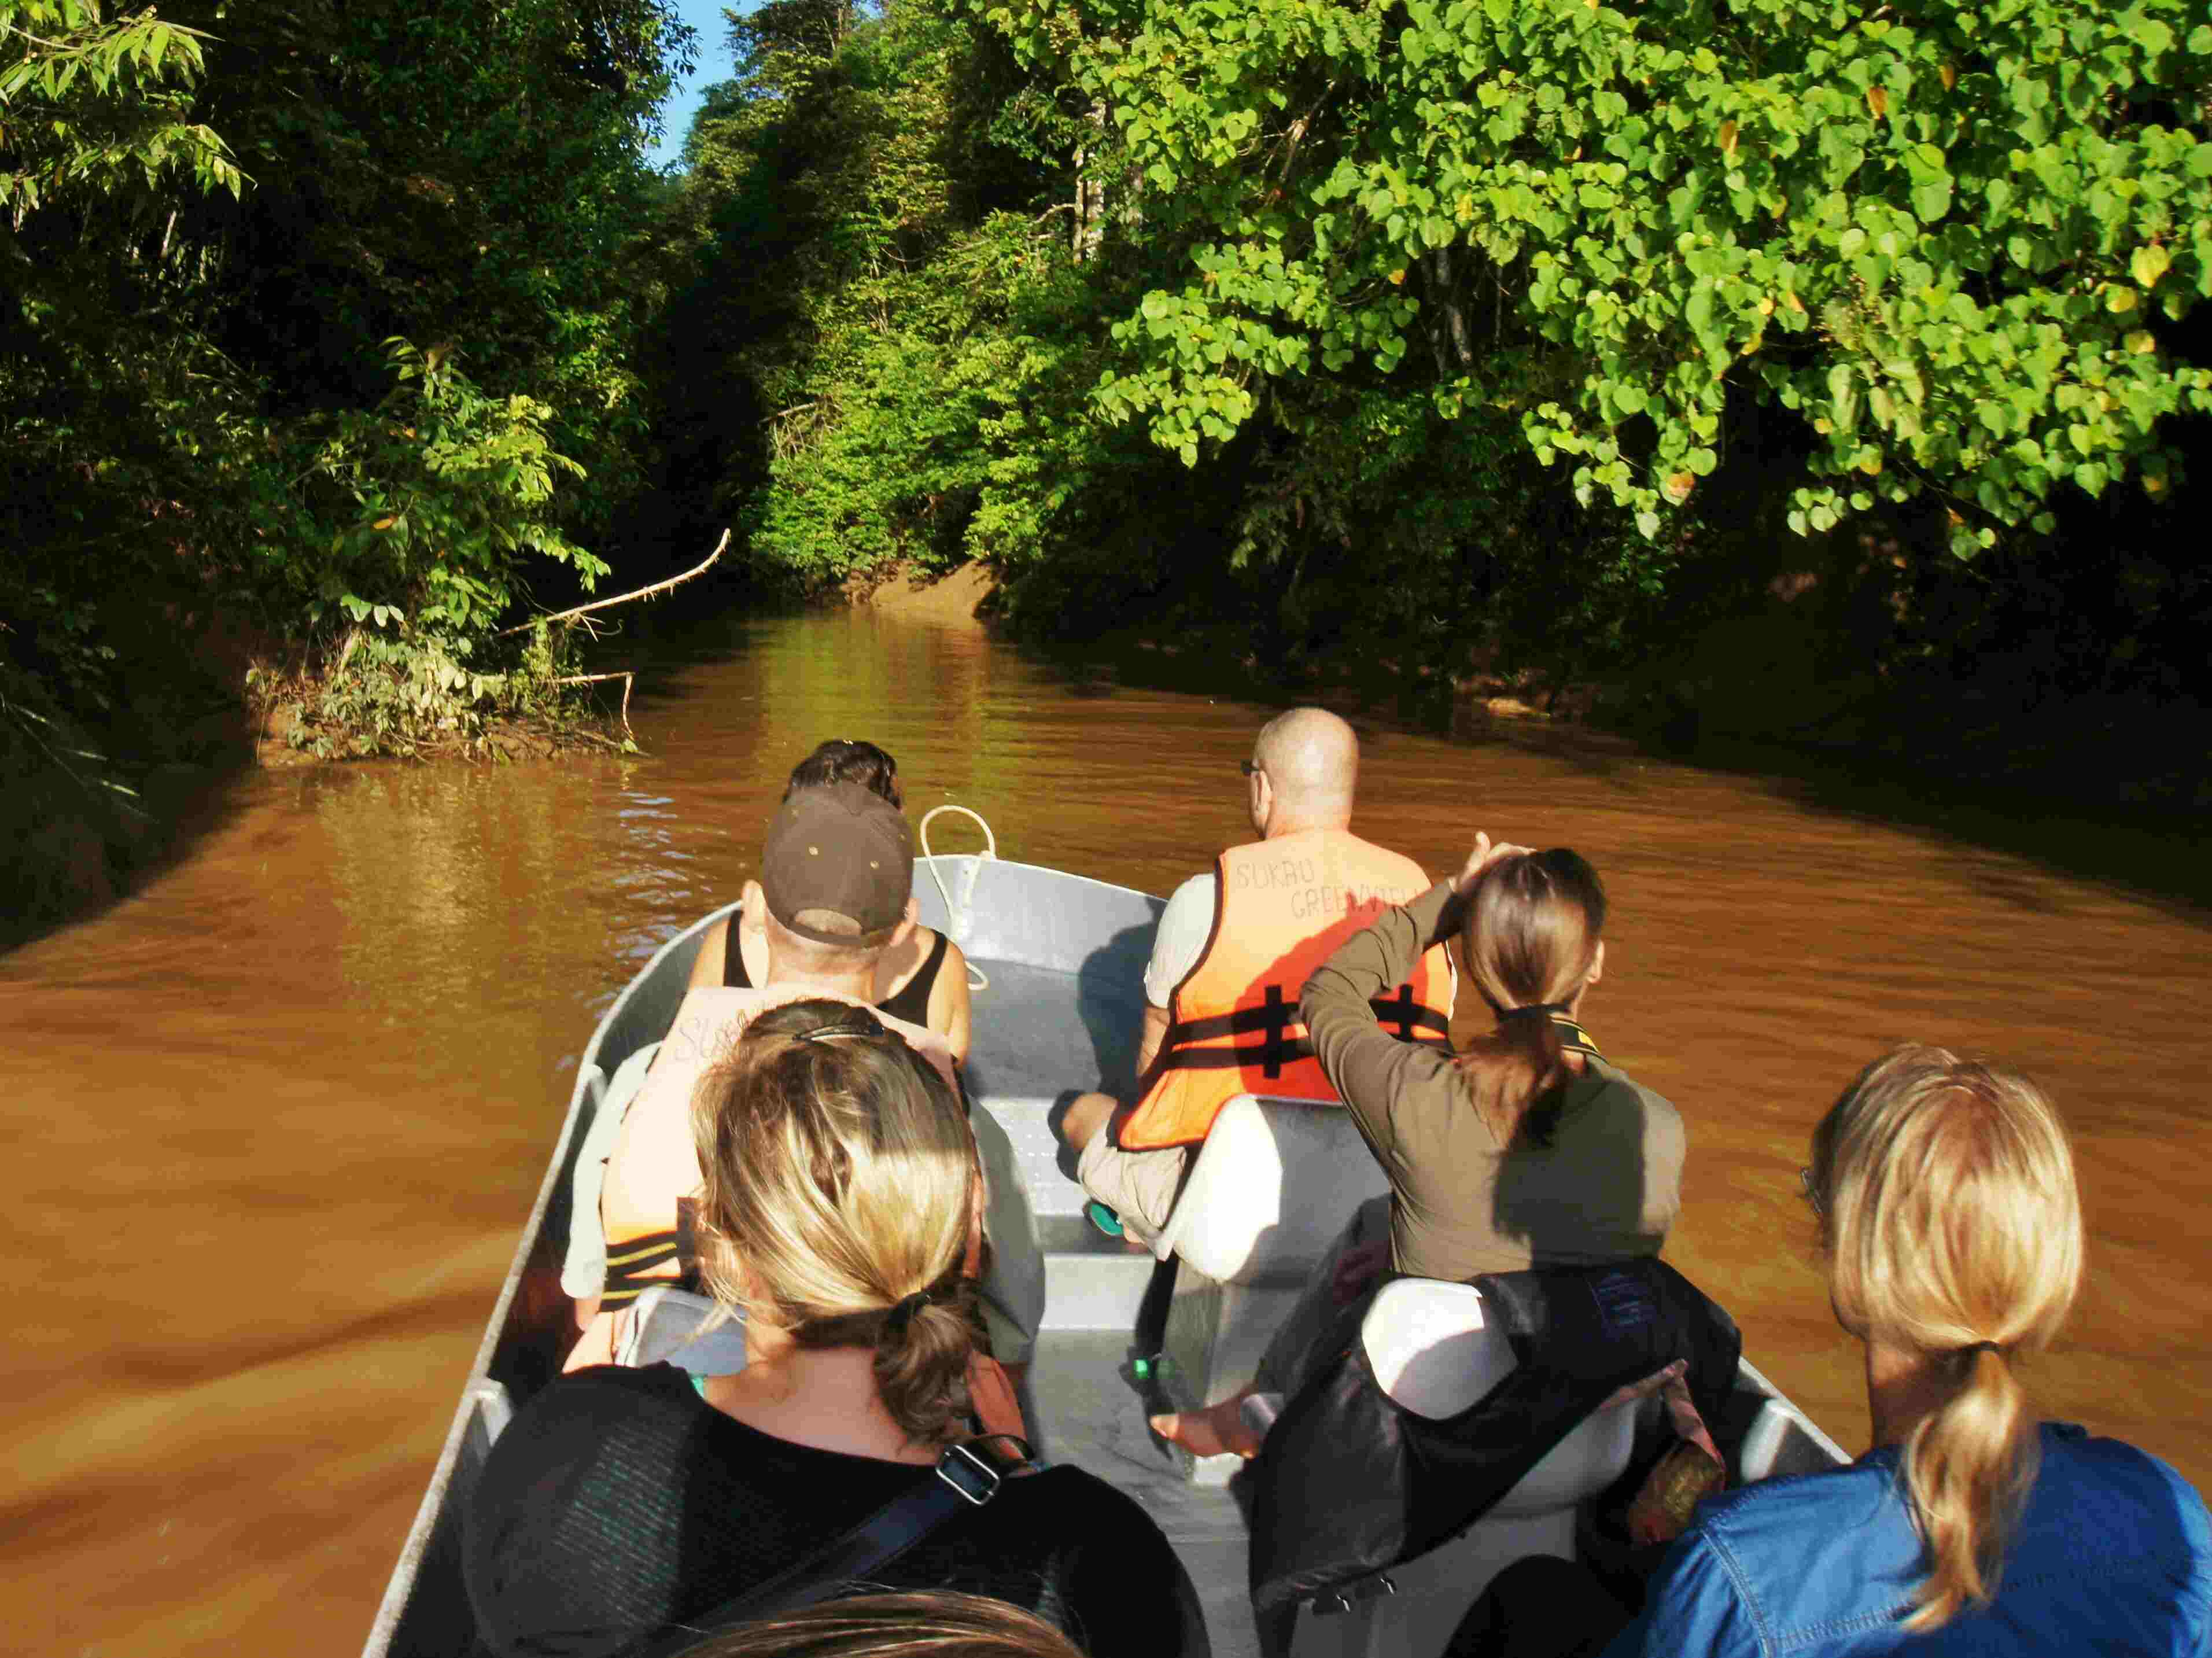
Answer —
(1528, 1147)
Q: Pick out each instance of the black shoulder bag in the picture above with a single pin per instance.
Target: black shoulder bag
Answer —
(968, 1475)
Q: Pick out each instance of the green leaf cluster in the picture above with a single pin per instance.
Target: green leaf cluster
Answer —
(223, 223)
(1953, 242)
(437, 500)
(96, 107)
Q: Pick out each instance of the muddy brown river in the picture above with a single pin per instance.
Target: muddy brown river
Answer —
(275, 1121)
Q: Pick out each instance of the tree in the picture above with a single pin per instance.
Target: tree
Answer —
(1954, 241)
(219, 219)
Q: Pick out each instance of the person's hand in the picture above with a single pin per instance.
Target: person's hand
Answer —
(1484, 855)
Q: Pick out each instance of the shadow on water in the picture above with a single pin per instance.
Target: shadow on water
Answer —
(660, 643)
(79, 853)
(2155, 853)
(2018, 801)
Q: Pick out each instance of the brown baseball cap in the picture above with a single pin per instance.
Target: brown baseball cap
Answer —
(842, 848)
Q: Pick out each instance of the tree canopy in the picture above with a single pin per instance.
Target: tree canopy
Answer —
(1471, 326)
(1405, 338)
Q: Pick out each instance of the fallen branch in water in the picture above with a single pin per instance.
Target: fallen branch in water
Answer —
(622, 598)
(624, 675)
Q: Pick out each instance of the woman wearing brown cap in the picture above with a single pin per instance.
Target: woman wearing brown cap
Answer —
(921, 976)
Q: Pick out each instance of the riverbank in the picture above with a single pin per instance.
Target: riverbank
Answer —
(2102, 790)
(89, 810)
(957, 599)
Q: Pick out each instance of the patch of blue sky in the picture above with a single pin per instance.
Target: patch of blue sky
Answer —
(712, 65)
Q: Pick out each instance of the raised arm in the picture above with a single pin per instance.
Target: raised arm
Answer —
(1370, 1069)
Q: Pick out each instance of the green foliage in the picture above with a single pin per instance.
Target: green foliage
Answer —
(448, 170)
(226, 222)
(402, 694)
(908, 427)
(887, 304)
(437, 499)
(1954, 241)
(98, 107)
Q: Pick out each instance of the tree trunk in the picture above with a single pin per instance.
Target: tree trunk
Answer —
(1444, 294)
(1089, 193)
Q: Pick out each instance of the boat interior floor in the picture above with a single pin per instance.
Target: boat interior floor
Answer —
(1048, 1033)
(1088, 1416)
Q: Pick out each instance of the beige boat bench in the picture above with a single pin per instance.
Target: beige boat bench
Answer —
(1268, 1196)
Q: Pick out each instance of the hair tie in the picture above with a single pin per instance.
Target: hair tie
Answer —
(904, 1313)
(1534, 1009)
(1974, 1349)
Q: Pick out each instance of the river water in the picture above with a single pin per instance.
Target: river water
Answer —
(277, 1117)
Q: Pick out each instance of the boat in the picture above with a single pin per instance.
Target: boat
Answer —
(1057, 961)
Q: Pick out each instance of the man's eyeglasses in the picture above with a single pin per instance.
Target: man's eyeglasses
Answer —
(1250, 768)
(1812, 1192)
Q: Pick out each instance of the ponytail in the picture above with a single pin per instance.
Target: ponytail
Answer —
(1530, 942)
(1953, 1230)
(1510, 1070)
(921, 1362)
(1969, 1468)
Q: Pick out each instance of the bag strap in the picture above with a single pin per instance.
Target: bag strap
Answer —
(966, 1476)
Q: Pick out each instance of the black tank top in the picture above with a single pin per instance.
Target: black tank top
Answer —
(911, 1003)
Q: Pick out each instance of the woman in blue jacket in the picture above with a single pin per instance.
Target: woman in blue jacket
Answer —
(1953, 1232)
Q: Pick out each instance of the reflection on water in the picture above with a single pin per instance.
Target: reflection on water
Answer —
(275, 1119)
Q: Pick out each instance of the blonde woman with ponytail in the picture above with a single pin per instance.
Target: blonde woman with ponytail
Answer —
(1945, 1198)
(837, 1218)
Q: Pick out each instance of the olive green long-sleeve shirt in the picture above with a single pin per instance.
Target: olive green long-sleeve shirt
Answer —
(1607, 1186)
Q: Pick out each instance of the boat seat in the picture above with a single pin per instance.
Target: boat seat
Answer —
(1268, 1196)
(1270, 1190)
(1433, 1352)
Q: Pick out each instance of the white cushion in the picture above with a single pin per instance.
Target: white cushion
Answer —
(1433, 1352)
(1430, 1350)
(1270, 1190)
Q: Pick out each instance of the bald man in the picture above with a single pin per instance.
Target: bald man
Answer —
(1230, 960)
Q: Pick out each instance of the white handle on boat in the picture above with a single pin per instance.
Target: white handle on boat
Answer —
(959, 914)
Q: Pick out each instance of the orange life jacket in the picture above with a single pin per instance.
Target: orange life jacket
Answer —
(655, 1165)
(1281, 909)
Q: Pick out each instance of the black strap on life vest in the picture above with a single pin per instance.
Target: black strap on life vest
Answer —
(632, 1264)
(1271, 1020)
(630, 1267)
